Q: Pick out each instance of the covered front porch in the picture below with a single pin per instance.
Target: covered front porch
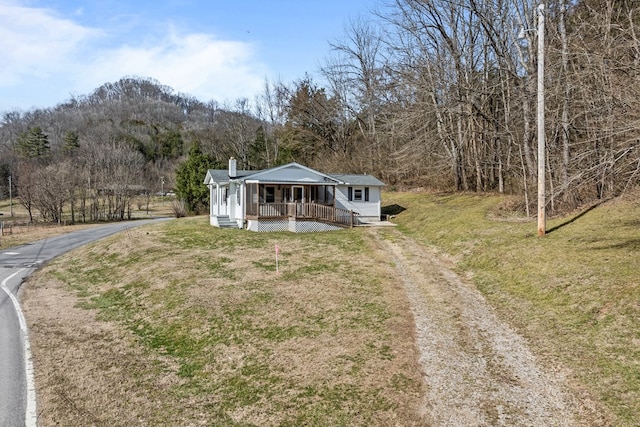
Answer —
(273, 201)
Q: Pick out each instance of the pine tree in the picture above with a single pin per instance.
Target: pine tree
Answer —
(33, 144)
(190, 175)
(70, 142)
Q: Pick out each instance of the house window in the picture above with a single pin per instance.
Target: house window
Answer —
(357, 194)
(254, 193)
(350, 194)
(270, 196)
(366, 194)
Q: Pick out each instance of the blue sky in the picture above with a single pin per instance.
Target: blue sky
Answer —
(217, 50)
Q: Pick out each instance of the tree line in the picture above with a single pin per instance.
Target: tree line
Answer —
(444, 93)
(431, 93)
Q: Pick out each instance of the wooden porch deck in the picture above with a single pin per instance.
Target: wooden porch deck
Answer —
(302, 211)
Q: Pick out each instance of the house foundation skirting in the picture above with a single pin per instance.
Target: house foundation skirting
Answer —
(293, 225)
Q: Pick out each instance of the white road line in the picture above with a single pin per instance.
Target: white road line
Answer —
(10, 253)
(31, 416)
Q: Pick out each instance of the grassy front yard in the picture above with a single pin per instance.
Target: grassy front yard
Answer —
(185, 324)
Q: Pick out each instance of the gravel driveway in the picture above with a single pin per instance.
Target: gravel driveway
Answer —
(477, 370)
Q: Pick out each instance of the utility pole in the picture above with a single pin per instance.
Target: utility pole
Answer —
(542, 218)
(10, 198)
(162, 189)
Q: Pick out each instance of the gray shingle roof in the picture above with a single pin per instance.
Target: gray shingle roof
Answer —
(222, 175)
(350, 179)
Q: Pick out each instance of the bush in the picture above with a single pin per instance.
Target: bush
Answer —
(179, 209)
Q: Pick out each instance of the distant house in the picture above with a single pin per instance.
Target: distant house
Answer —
(291, 197)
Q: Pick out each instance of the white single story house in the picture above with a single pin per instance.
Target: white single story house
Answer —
(291, 197)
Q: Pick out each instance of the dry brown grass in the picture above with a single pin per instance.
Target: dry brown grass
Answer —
(184, 324)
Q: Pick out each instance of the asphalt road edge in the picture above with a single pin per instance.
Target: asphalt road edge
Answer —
(31, 415)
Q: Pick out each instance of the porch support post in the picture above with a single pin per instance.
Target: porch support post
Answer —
(243, 198)
(217, 199)
(211, 200)
(258, 200)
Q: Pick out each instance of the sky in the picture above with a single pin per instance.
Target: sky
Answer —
(222, 50)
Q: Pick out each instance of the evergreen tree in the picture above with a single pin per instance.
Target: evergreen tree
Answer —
(70, 142)
(170, 144)
(257, 150)
(190, 177)
(33, 144)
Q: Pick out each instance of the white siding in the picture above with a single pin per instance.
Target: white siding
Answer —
(367, 211)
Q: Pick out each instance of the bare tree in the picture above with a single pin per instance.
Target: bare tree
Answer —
(50, 196)
(357, 78)
(271, 111)
(27, 185)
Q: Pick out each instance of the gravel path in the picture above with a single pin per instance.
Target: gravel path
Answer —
(477, 370)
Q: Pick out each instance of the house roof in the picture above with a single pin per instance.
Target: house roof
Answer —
(222, 176)
(291, 172)
(349, 179)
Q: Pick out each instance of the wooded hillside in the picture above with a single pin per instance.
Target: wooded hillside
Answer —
(434, 93)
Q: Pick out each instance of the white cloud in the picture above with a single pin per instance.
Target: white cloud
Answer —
(36, 43)
(39, 49)
(195, 64)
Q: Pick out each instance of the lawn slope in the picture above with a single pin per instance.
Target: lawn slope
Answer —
(181, 323)
(574, 293)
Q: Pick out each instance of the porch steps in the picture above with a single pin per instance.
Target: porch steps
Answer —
(225, 222)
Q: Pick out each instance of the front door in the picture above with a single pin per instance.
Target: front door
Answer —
(224, 201)
(298, 194)
(298, 199)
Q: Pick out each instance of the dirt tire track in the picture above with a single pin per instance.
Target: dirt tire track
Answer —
(477, 370)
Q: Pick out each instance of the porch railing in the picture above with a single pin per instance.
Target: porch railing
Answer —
(300, 210)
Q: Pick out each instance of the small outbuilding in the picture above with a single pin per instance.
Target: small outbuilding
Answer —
(291, 197)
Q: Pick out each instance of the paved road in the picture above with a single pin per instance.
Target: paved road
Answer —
(17, 392)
